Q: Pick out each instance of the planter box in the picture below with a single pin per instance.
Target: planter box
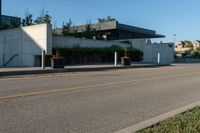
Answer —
(126, 61)
(57, 63)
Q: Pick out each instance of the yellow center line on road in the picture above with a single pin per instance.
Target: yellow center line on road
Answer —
(81, 74)
(97, 85)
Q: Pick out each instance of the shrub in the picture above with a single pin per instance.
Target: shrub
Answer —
(196, 54)
(96, 55)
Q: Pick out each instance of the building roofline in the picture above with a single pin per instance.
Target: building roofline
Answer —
(139, 30)
(112, 25)
(115, 25)
(135, 29)
(10, 16)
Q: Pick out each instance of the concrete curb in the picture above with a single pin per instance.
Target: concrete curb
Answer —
(52, 71)
(157, 119)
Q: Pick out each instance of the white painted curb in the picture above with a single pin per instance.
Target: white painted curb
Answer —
(157, 119)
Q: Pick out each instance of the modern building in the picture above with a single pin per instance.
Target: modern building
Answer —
(23, 46)
(114, 30)
(182, 47)
(185, 46)
(8, 22)
(196, 44)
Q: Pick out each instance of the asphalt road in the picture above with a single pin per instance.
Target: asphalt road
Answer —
(94, 102)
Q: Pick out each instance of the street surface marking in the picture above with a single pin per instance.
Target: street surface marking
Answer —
(97, 85)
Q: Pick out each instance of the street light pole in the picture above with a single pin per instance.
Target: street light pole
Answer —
(174, 39)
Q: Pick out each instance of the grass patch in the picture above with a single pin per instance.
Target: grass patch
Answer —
(187, 122)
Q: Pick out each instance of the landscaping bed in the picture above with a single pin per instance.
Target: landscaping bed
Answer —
(96, 55)
(187, 122)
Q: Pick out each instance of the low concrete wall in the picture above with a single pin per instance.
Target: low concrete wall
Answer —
(22, 44)
(186, 60)
(70, 42)
(166, 51)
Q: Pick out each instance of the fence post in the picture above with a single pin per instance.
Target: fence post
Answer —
(43, 59)
(115, 59)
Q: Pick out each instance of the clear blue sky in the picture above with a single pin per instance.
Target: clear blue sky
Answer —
(165, 16)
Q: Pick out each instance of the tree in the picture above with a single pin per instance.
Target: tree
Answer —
(38, 20)
(89, 32)
(47, 18)
(43, 18)
(28, 20)
(99, 35)
(67, 28)
(101, 20)
(108, 19)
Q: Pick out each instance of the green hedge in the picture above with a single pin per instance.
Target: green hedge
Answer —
(195, 54)
(96, 55)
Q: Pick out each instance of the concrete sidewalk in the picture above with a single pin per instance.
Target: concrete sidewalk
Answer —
(4, 72)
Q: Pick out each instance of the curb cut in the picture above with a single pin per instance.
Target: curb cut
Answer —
(157, 119)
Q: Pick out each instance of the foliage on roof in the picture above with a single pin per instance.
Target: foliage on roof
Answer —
(108, 19)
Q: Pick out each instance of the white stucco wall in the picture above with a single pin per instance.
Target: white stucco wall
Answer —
(136, 43)
(25, 42)
(139, 44)
(150, 50)
(70, 42)
(166, 51)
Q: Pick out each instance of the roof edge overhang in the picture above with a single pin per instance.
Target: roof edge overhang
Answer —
(150, 33)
